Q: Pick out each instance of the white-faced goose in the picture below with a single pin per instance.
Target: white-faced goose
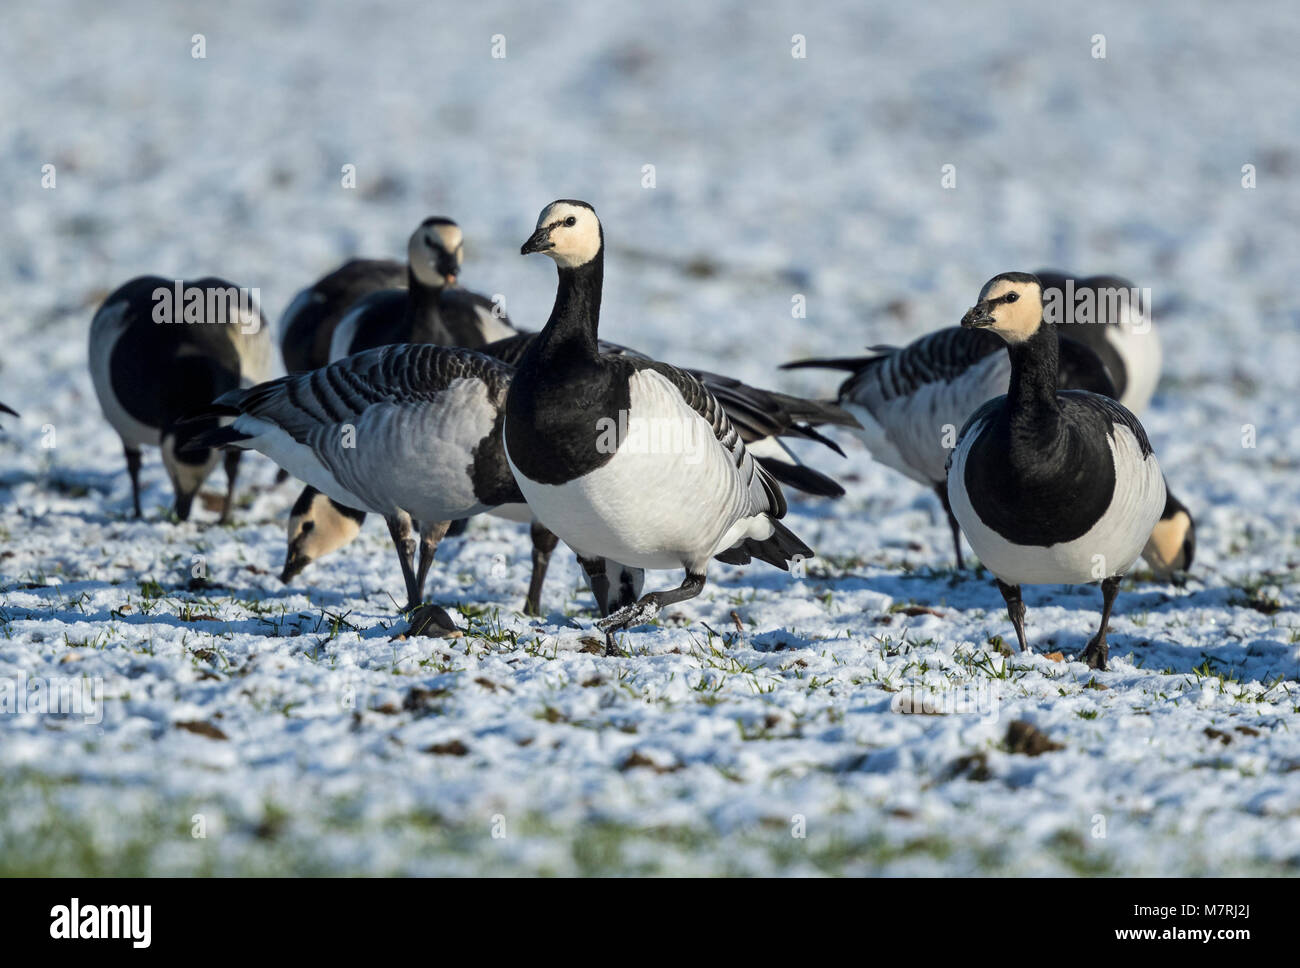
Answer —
(1050, 486)
(910, 402)
(159, 351)
(606, 493)
(433, 308)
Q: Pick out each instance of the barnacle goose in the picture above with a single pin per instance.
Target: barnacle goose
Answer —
(1111, 316)
(346, 429)
(910, 402)
(594, 484)
(1050, 486)
(431, 309)
(308, 325)
(159, 350)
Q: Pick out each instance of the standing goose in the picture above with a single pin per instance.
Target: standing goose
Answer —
(608, 495)
(160, 350)
(1050, 486)
(432, 308)
(911, 401)
(1111, 316)
(308, 325)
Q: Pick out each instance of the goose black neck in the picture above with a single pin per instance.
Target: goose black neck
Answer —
(574, 325)
(1035, 364)
(1033, 410)
(423, 313)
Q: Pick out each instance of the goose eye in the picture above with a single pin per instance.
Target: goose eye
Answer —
(1012, 297)
(308, 526)
(571, 220)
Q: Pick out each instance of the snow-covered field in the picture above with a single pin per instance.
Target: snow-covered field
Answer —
(753, 731)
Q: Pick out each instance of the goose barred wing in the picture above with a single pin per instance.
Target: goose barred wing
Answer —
(306, 404)
(763, 488)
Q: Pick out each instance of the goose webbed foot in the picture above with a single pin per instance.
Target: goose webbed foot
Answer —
(647, 607)
(432, 621)
(1097, 652)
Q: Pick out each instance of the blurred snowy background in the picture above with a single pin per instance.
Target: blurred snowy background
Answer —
(774, 175)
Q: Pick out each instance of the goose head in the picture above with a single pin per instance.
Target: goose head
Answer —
(434, 252)
(1172, 545)
(187, 468)
(1010, 304)
(317, 526)
(569, 232)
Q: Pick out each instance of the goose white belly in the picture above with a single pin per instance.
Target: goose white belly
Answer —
(1118, 536)
(908, 433)
(106, 330)
(652, 507)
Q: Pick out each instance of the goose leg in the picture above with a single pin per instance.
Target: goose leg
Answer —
(430, 536)
(544, 543)
(1015, 610)
(598, 580)
(232, 472)
(399, 526)
(941, 489)
(647, 606)
(1098, 651)
(133, 469)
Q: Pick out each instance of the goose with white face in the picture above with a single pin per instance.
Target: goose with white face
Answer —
(435, 251)
(567, 231)
(1011, 305)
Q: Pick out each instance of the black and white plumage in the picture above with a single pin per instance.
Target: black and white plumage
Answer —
(161, 350)
(1109, 315)
(308, 325)
(570, 414)
(432, 308)
(348, 430)
(1050, 486)
(911, 401)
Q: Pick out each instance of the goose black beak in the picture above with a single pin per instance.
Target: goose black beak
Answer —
(539, 241)
(293, 567)
(977, 317)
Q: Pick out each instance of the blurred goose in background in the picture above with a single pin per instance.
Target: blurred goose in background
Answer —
(1110, 316)
(1050, 486)
(433, 308)
(308, 325)
(161, 350)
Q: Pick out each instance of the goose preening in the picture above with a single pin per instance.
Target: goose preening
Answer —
(432, 308)
(910, 402)
(1050, 486)
(1112, 317)
(605, 492)
(308, 325)
(161, 350)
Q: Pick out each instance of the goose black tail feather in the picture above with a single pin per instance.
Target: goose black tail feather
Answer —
(210, 439)
(778, 550)
(801, 478)
(851, 363)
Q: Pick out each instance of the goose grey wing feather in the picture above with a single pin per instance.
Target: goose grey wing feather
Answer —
(764, 488)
